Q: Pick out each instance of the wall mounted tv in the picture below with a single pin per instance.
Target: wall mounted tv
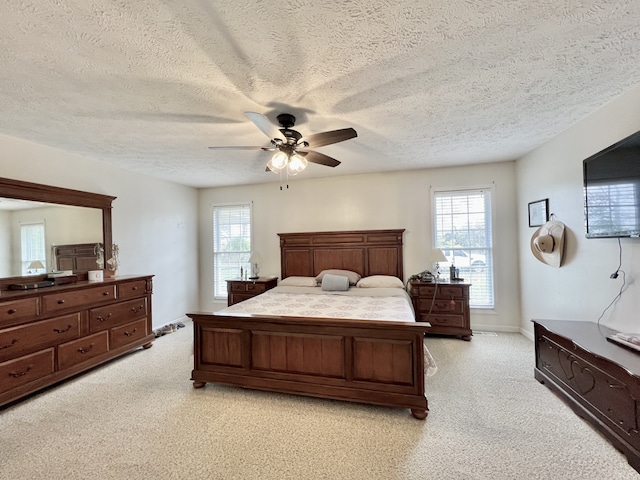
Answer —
(612, 190)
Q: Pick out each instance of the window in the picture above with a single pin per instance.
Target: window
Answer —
(32, 246)
(463, 231)
(231, 244)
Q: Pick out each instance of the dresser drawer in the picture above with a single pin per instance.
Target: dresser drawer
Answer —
(237, 298)
(443, 291)
(61, 301)
(21, 340)
(82, 349)
(109, 316)
(441, 306)
(443, 320)
(451, 291)
(128, 333)
(247, 287)
(132, 289)
(27, 369)
(15, 310)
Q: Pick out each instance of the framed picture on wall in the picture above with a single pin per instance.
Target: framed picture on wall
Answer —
(538, 212)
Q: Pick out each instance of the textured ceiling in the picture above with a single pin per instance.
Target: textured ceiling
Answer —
(148, 85)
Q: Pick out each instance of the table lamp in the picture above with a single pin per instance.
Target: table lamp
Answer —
(254, 260)
(35, 265)
(435, 257)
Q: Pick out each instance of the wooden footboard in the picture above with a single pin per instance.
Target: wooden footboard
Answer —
(373, 362)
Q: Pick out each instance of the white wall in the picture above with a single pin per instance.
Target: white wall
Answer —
(154, 221)
(374, 201)
(581, 289)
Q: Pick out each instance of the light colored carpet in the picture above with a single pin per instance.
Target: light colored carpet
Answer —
(139, 418)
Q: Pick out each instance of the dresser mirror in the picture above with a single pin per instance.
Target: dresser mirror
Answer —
(69, 216)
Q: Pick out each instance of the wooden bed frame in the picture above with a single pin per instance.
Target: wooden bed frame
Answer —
(373, 362)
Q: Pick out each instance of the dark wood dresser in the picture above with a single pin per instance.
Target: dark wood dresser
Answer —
(49, 334)
(239, 290)
(445, 305)
(599, 380)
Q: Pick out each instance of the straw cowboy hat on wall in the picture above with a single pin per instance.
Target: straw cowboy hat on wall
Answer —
(547, 243)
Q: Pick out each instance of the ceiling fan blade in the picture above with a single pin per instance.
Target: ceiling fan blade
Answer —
(241, 147)
(319, 158)
(327, 138)
(263, 123)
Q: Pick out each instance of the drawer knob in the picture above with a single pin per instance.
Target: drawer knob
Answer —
(135, 288)
(106, 294)
(12, 310)
(15, 340)
(86, 350)
(129, 334)
(63, 330)
(137, 309)
(101, 318)
(15, 374)
(60, 302)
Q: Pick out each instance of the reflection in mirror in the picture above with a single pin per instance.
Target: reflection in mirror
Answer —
(33, 231)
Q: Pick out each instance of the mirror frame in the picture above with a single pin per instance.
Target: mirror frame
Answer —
(22, 190)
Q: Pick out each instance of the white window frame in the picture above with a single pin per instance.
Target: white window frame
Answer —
(236, 260)
(478, 274)
(30, 253)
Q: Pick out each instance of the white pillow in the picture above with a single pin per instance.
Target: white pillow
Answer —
(298, 282)
(380, 281)
(352, 276)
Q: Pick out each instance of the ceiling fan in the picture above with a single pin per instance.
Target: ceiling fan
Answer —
(292, 149)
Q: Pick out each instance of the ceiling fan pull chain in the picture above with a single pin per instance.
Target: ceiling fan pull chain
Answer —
(283, 182)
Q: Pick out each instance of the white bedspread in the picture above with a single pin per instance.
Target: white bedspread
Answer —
(392, 304)
(355, 303)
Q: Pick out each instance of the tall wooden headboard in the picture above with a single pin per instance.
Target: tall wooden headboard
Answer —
(368, 252)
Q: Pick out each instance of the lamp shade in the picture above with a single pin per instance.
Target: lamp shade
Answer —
(255, 257)
(278, 162)
(36, 265)
(297, 163)
(437, 255)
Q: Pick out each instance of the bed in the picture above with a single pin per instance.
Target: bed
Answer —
(362, 359)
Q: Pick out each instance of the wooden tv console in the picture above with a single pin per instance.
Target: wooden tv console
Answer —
(600, 380)
(52, 333)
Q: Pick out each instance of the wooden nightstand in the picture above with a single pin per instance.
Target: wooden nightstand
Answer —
(448, 312)
(239, 290)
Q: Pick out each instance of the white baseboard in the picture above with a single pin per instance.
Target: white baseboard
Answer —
(527, 334)
(495, 328)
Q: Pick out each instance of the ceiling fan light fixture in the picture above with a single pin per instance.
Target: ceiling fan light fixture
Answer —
(290, 147)
(297, 163)
(278, 162)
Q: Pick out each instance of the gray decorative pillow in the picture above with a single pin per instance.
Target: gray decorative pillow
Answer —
(335, 283)
(352, 276)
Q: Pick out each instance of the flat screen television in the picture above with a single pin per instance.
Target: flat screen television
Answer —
(612, 190)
